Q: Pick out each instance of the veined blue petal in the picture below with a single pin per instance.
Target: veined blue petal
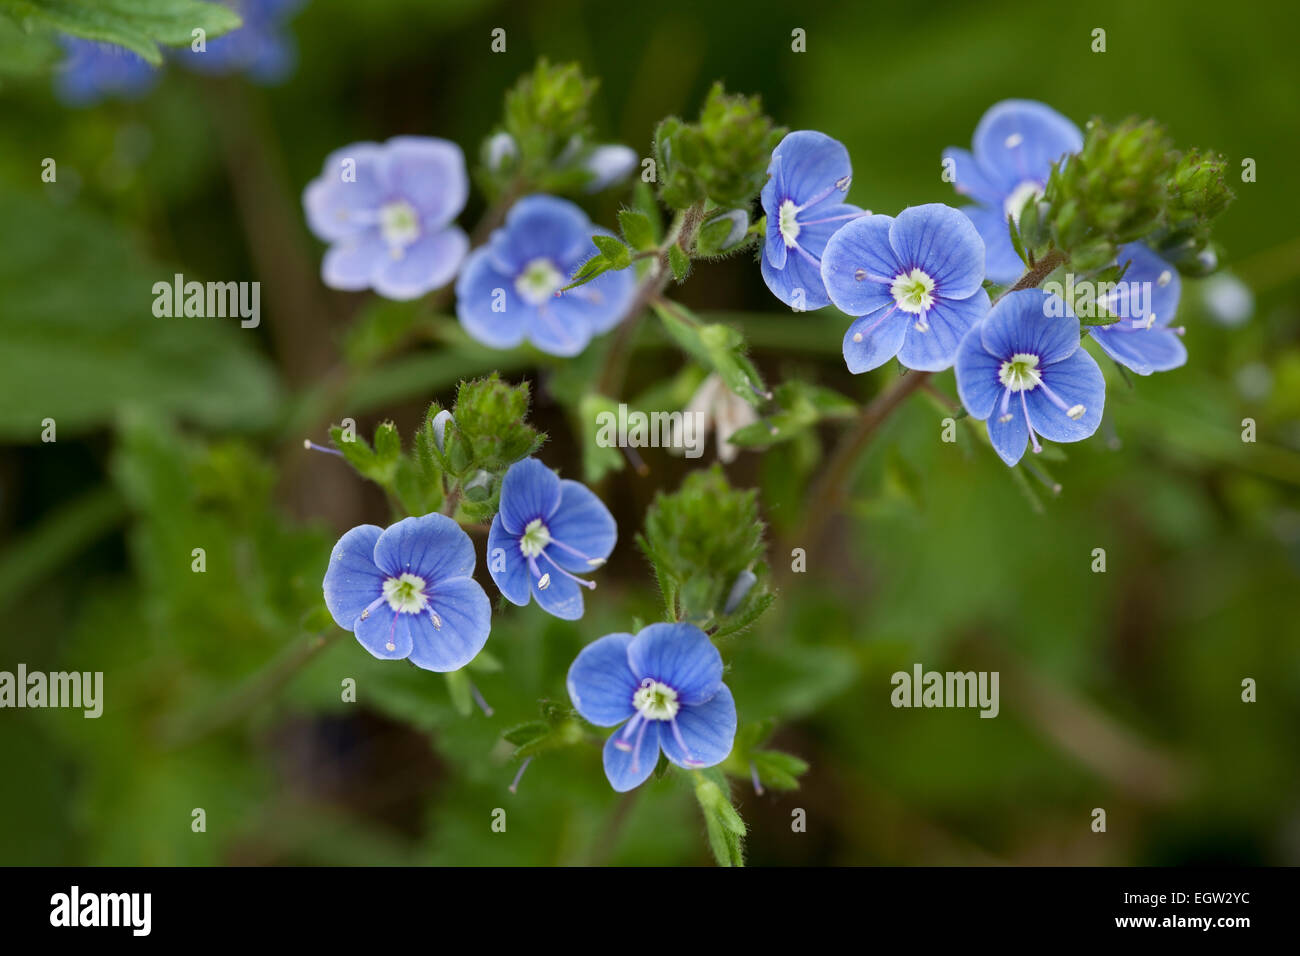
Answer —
(628, 769)
(352, 581)
(541, 227)
(806, 163)
(1009, 432)
(679, 655)
(1144, 350)
(432, 546)
(507, 565)
(1150, 286)
(562, 596)
(799, 283)
(1031, 321)
(581, 523)
(388, 634)
(859, 264)
(970, 180)
(1076, 381)
(941, 242)
(947, 323)
(465, 614)
(1018, 140)
(600, 682)
(875, 338)
(529, 491)
(978, 385)
(708, 729)
(1002, 264)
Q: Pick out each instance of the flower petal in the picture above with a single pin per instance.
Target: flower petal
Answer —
(428, 263)
(541, 227)
(429, 173)
(681, 656)
(1009, 437)
(1143, 351)
(858, 265)
(507, 565)
(978, 384)
(603, 302)
(337, 208)
(433, 547)
(562, 596)
(708, 730)
(352, 581)
(1018, 140)
(806, 163)
(798, 283)
(627, 769)
(1002, 264)
(466, 616)
(1150, 286)
(1031, 321)
(948, 322)
(600, 682)
(882, 333)
(487, 305)
(970, 180)
(584, 524)
(943, 243)
(529, 491)
(352, 263)
(1077, 381)
(559, 328)
(385, 627)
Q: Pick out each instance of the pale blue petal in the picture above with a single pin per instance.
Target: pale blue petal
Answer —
(429, 173)
(428, 263)
(466, 616)
(1031, 321)
(708, 730)
(970, 180)
(1077, 381)
(529, 491)
(1150, 285)
(1002, 264)
(352, 581)
(978, 384)
(627, 769)
(352, 264)
(807, 163)
(679, 655)
(948, 321)
(882, 334)
(507, 565)
(798, 284)
(1018, 140)
(388, 634)
(600, 682)
(859, 264)
(942, 243)
(541, 227)
(1009, 437)
(1144, 350)
(432, 547)
(337, 208)
(562, 597)
(583, 523)
(479, 289)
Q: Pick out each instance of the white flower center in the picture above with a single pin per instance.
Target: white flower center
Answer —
(1020, 197)
(399, 225)
(406, 594)
(538, 281)
(912, 291)
(534, 539)
(789, 225)
(656, 701)
(1020, 372)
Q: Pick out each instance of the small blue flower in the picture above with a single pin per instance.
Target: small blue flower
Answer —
(916, 281)
(387, 211)
(261, 48)
(546, 532)
(808, 176)
(96, 71)
(1015, 144)
(1146, 299)
(1024, 371)
(668, 680)
(407, 592)
(509, 290)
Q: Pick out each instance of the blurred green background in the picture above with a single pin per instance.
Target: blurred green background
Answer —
(1119, 690)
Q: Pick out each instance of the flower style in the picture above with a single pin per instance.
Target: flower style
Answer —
(916, 281)
(406, 592)
(96, 71)
(808, 176)
(668, 681)
(387, 211)
(546, 533)
(1027, 352)
(1015, 144)
(260, 48)
(1146, 299)
(509, 290)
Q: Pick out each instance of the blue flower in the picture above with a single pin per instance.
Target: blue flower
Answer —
(808, 176)
(1024, 371)
(668, 680)
(260, 48)
(546, 532)
(387, 211)
(1015, 144)
(509, 289)
(1146, 299)
(916, 281)
(96, 71)
(406, 592)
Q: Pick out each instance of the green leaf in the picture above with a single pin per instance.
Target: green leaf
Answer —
(137, 25)
(719, 347)
(637, 229)
(725, 828)
(615, 253)
(679, 262)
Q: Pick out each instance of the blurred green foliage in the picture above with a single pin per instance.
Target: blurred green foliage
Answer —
(224, 689)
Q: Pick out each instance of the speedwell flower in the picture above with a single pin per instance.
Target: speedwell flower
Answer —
(406, 592)
(668, 681)
(261, 48)
(1024, 371)
(1146, 300)
(808, 177)
(95, 71)
(509, 290)
(546, 532)
(387, 211)
(916, 281)
(1014, 147)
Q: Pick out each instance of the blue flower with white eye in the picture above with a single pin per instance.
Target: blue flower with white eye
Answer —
(407, 592)
(546, 533)
(387, 211)
(1023, 370)
(1014, 147)
(666, 683)
(1146, 300)
(260, 48)
(509, 290)
(94, 71)
(808, 176)
(916, 281)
